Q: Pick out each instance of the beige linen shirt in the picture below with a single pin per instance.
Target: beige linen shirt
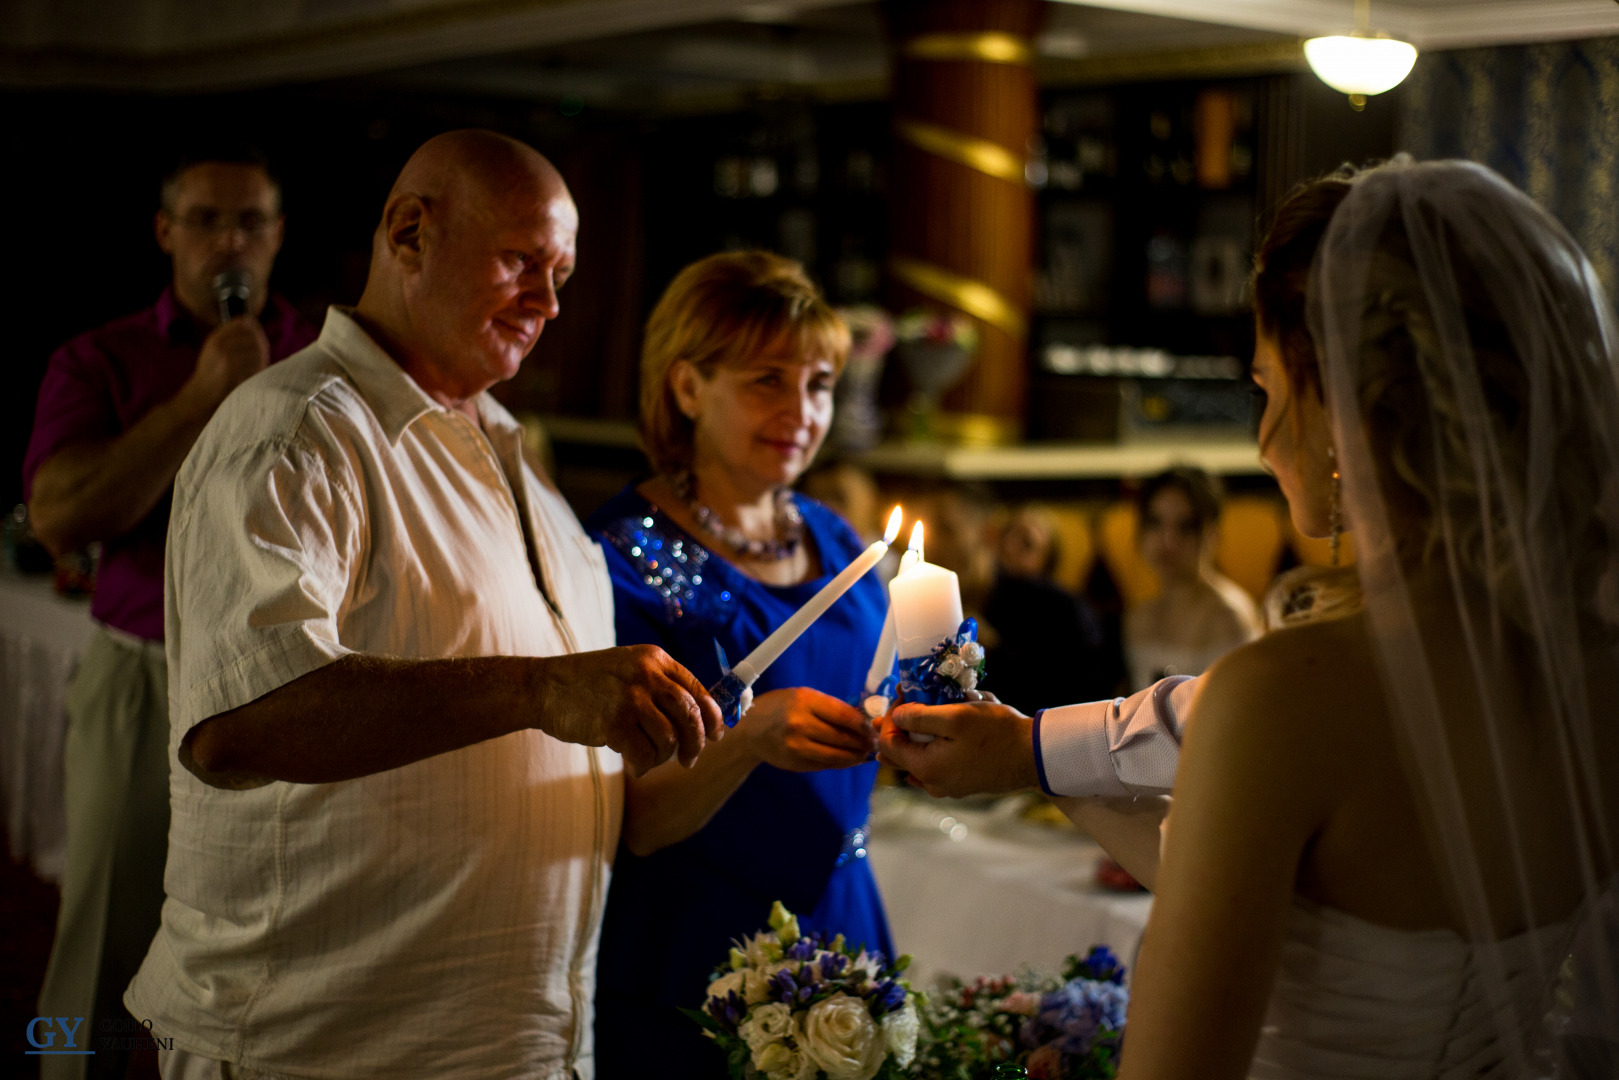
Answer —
(436, 920)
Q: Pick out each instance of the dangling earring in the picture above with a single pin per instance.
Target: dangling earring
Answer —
(1335, 538)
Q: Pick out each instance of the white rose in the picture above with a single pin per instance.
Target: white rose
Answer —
(900, 1030)
(840, 1037)
(950, 667)
(969, 681)
(765, 1024)
(778, 1062)
(725, 984)
(749, 984)
(972, 653)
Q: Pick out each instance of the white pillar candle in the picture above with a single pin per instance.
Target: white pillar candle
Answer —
(927, 608)
(925, 605)
(754, 664)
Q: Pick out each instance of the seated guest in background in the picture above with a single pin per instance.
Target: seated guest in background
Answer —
(959, 536)
(118, 410)
(1200, 614)
(1049, 645)
(389, 643)
(737, 372)
(1028, 547)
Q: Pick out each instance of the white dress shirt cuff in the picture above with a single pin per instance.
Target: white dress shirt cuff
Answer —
(1127, 746)
(1072, 752)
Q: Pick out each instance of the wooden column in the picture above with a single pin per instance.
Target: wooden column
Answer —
(961, 213)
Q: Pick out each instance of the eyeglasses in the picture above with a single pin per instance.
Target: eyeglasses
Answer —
(250, 223)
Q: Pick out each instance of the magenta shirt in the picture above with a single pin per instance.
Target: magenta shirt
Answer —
(96, 387)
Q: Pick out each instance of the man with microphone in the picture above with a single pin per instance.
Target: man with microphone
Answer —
(118, 411)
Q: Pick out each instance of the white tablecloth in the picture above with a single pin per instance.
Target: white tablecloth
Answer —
(1000, 895)
(41, 639)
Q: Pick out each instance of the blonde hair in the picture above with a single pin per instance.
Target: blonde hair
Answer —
(720, 310)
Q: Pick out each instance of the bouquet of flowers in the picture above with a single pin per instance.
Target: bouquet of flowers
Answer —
(871, 330)
(937, 328)
(792, 1006)
(1067, 1028)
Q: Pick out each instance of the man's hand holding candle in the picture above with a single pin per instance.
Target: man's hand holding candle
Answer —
(977, 747)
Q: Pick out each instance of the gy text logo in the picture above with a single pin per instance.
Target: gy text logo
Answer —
(43, 1032)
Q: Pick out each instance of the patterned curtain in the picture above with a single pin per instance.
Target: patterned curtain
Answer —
(1544, 116)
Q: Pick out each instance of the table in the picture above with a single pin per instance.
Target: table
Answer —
(42, 636)
(971, 889)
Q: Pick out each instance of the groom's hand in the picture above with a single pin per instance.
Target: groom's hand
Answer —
(636, 700)
(977, 747)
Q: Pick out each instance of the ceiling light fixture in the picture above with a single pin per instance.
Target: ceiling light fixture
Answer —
(1361, 63)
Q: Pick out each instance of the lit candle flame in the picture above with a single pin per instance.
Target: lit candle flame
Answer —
(895, 520)
(915, 546)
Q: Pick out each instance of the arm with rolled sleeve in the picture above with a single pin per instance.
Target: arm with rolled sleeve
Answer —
(1126, 747)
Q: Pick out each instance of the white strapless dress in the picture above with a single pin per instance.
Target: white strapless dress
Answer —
(1358, 1001)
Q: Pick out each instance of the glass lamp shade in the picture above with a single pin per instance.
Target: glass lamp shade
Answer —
(1360, 65)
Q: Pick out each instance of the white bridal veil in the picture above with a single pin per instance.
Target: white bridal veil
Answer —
(1468, 363)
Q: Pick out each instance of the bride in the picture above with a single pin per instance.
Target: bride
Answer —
(1396, 819)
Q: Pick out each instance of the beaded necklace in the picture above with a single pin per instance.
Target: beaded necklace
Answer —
(789, 523)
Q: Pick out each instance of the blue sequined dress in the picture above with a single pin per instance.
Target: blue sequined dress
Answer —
(794, 837)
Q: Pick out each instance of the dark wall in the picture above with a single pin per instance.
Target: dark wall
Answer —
(1544, 116)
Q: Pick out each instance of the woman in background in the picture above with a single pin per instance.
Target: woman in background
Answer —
(1200, 614)
(737, 371)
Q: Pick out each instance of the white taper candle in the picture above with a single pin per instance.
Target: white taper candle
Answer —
(753, 665)
(882, 662)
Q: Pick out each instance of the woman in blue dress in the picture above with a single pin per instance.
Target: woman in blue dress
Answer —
(737, 371)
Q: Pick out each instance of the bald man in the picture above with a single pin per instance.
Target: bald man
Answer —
(391, 680)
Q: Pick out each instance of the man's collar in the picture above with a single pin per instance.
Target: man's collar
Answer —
(174, 322)
(394, 397)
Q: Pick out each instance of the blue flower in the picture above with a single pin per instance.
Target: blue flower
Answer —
(1099, 965)
(802, 949)
(787, 990)
(885, 997)
(1074, 1014)
(728, 1010)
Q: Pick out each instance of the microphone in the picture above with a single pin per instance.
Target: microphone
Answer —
(232, 288)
